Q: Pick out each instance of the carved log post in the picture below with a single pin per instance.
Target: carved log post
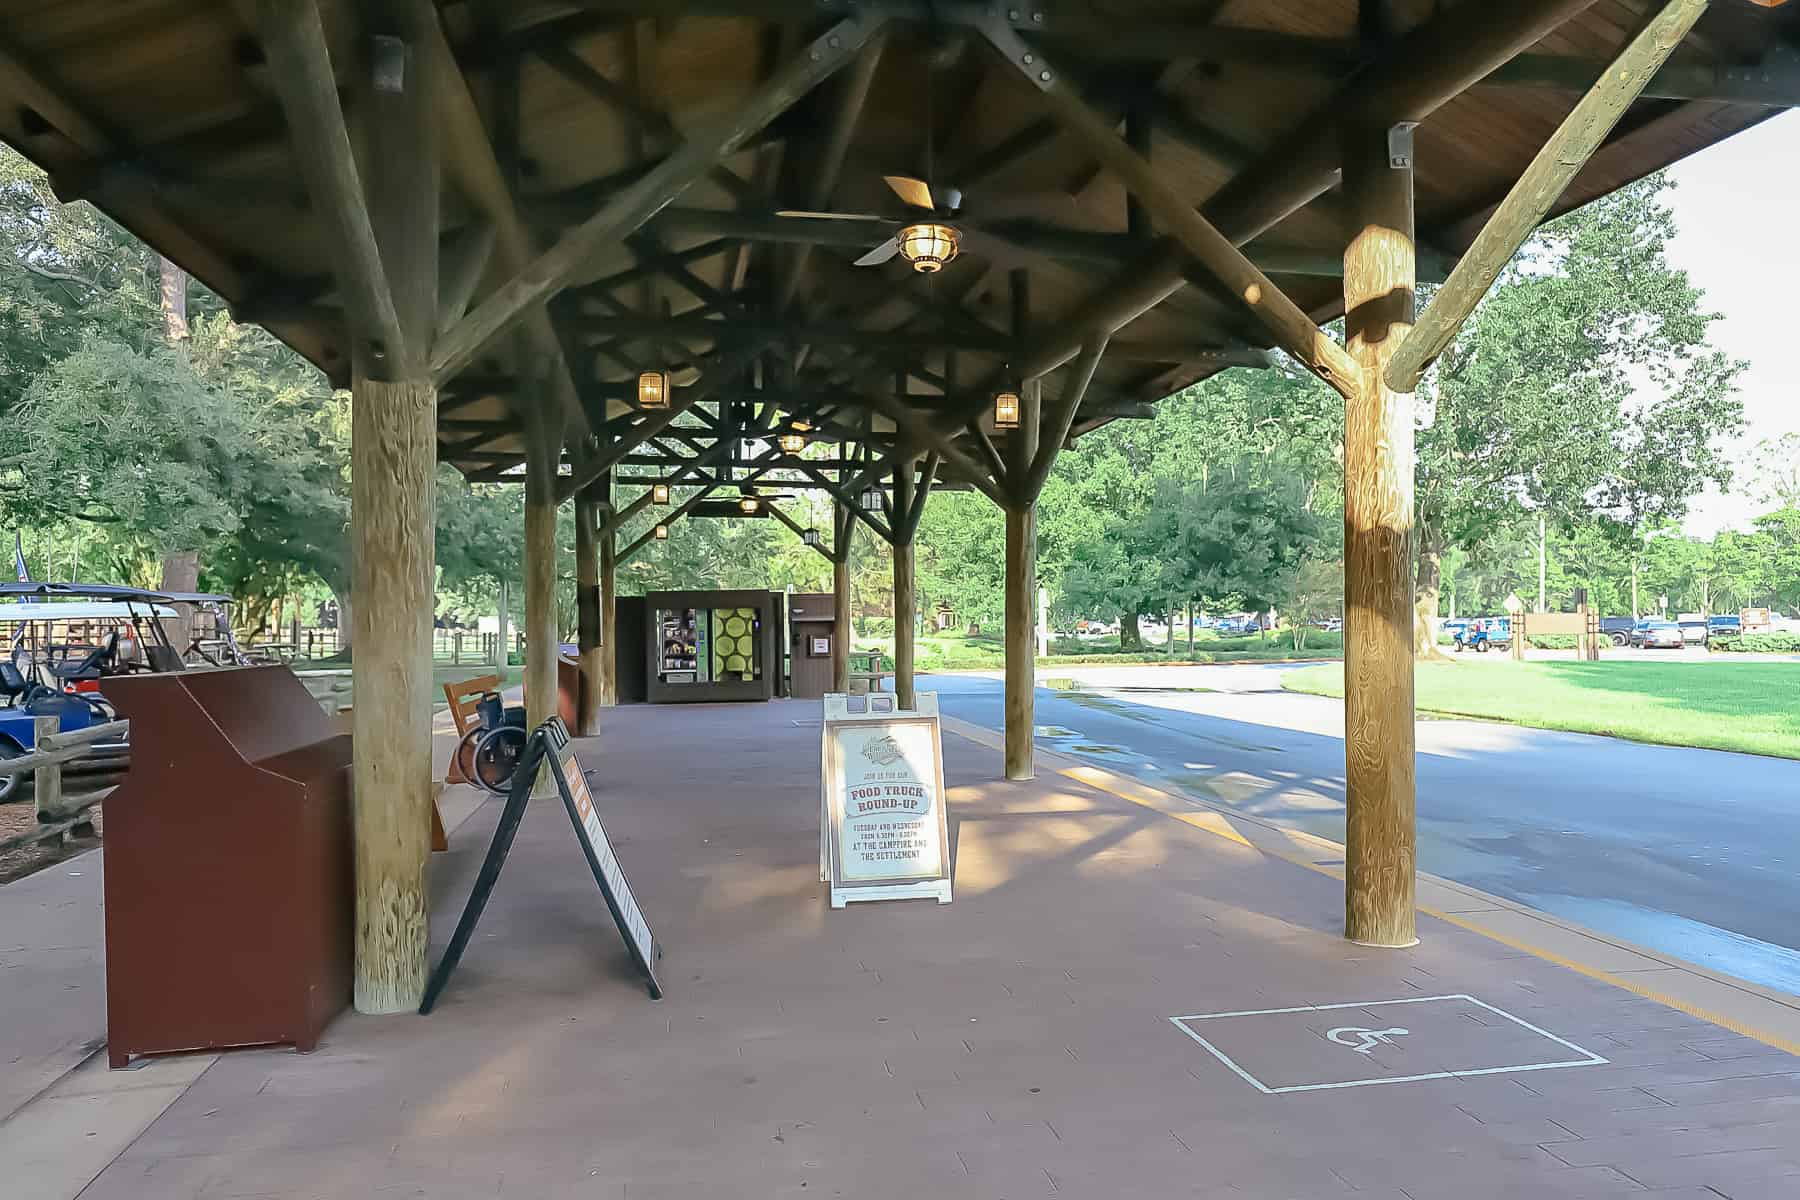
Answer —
(543, 444)
(1378, 518)
(905, 584)
(609, 617)
(843, 531)
(587, 608)
(393, 459)
(1021, 591)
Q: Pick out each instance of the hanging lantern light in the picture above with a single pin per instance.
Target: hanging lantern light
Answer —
(659, 493)
(748, 505)
(662, 533)
(800, 425)
(1006, 410)
(928, 246)
(872, 498)
(811, 537)
(791, 443)
(653, 389)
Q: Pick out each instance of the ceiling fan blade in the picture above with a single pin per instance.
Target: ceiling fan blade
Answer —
(915, 192)
(802, 214)
(879, 254)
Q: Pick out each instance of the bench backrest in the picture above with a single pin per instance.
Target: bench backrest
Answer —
(465, 697)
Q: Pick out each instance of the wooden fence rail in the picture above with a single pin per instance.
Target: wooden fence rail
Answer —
(58, 815)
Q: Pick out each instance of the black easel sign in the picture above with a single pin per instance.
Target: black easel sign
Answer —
(550, 741)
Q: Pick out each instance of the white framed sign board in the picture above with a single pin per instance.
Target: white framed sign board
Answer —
(882, 820)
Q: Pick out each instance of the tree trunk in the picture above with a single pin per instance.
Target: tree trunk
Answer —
(1635, 610)
(1425, 599)
(173, 297)
(180, 573)
(1129, 638)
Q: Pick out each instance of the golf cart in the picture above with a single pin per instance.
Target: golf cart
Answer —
(1488, 633)
(63, 640)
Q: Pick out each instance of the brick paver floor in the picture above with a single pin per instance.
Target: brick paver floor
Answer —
(1016, 1043)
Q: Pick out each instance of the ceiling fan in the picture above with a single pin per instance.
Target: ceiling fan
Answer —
(928, 241)
(936, 225)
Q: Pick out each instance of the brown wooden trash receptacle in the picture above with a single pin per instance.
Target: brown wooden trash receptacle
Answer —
(230, 888)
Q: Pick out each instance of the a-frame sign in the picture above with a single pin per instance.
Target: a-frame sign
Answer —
(549, 743)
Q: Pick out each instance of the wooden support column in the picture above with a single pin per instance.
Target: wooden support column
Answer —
(1021, 590)
(843, 531)
(587, 607)
(905, 582)
(393, 445)
(543, 441)
(609, 617)
(1379, 866)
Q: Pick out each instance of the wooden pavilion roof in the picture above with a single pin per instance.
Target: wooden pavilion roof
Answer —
(163, 113)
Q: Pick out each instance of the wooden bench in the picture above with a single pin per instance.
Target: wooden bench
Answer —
(865, 673)
(462, 697)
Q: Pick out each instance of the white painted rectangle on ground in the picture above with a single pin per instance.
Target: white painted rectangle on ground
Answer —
(1325, 1046)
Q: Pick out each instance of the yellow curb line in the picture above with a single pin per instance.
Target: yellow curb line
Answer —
(1209, 821)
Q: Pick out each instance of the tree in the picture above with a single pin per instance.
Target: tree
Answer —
(1774, 471)
(1582, 386)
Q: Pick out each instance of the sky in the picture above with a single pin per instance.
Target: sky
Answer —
(1738, 240)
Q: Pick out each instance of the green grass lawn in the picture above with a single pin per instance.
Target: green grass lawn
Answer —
(1748, 706)
(986, 651)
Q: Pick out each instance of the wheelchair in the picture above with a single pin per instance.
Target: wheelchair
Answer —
(490, 751)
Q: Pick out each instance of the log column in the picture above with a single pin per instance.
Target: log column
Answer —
(609, 617)
(1379, 266)
(905, 585)
(843, 531)
(1021, 591)
(393, 452)
(587, 605)
(542, 449)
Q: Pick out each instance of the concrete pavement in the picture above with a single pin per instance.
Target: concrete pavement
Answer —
(1118, 1004)
(1691, 852)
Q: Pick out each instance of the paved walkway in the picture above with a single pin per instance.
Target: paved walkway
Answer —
(1015, 1043)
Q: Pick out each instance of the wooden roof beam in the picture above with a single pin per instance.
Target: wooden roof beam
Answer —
(1293, 330)
(1418, 74)
(552, 270)
(1538, 189)
(300, 69)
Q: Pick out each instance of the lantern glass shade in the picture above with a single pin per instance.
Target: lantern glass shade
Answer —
(653, 389)
(748, 504)
(871, 499)
(811, 537)
(662, 533)
(659, 493)
(928, 246)
(1006, 410)
(791, 443)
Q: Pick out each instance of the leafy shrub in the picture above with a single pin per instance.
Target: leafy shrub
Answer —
(1781, 642)
(1553, 641)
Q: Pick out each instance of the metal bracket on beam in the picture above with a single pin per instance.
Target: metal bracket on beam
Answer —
(1400, 145)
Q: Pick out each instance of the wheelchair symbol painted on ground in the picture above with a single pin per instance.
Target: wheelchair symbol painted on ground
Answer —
(1360, 1040)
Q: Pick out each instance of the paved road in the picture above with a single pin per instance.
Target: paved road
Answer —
(1693, 852)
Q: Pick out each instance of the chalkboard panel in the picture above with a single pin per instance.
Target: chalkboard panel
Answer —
(572, 783)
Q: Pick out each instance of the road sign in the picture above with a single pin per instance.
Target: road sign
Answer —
(882, 821)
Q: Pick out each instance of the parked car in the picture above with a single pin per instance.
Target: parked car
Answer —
(1242, 623)
(1724, 627)
(1454, 626)
(1661, 635)
(1618, 629)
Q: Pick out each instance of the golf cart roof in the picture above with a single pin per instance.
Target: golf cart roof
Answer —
(83, 591)
(198, 598)
(79, 610)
